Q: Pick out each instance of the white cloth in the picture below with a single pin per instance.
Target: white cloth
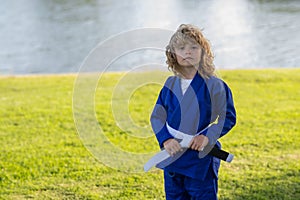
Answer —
(185, 84)
(164, 155)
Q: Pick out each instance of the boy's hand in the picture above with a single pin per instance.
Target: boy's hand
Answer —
(172, 146)
(199, 142)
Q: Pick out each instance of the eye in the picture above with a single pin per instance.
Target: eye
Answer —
(194, 47)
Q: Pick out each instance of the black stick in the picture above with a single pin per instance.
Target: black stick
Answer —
(223, 155)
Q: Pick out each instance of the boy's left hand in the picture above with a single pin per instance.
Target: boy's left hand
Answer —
(199, 142)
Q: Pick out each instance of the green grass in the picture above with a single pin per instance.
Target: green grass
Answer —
(42, 156)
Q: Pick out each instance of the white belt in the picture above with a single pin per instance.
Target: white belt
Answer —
(163, 155)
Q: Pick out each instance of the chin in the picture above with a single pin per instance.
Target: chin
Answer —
(188, 66)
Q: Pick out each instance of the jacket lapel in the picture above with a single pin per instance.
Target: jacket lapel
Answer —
(186, 115)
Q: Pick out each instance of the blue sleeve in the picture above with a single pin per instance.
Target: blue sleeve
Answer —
(223, 110)
(159, 117)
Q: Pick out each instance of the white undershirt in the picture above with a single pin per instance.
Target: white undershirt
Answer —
(185, 84)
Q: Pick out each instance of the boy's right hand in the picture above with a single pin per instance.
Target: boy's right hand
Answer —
(172, 146)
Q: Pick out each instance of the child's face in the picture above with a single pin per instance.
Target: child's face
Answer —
(188, 54)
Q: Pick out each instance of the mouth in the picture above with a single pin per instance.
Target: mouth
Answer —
(188, 58)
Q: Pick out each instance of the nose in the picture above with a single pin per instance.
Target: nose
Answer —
(187, 51)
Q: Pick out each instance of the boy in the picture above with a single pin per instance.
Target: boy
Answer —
(191, 100)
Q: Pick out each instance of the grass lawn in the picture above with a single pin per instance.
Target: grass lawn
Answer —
(43, 157)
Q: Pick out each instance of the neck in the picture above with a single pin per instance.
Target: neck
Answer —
(188, 72)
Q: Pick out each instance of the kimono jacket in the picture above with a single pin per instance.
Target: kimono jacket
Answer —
(205, 101)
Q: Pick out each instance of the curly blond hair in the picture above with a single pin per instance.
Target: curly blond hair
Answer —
(183, 34)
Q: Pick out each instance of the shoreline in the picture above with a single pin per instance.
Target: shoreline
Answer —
(75, 74)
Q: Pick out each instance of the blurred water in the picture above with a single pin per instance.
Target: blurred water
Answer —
(54, 36)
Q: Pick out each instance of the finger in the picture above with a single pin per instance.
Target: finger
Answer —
(201, 148)
(171, 150)
(175, 149)
(178, 147)
(192, 143)
(195, 146)
(195, 143)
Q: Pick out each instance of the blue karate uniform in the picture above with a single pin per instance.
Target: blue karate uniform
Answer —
(205, 101)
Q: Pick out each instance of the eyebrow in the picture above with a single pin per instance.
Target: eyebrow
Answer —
(185, 43)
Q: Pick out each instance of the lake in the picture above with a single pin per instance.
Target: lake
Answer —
(55, 36)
